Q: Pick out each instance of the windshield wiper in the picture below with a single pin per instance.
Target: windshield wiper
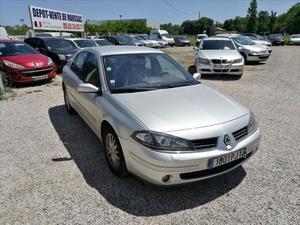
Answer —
(176, 85)
(130, 90)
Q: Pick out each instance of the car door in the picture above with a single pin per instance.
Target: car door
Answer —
(73, 78)
(91, 102)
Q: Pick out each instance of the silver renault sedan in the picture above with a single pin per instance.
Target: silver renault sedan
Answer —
(219, 55)
(154, 119)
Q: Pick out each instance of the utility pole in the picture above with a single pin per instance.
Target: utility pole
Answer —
(199, 16)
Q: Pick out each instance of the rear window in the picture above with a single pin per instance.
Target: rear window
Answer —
(15, 48)
(85, 43)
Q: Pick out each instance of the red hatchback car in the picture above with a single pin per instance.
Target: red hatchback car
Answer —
(23, 64)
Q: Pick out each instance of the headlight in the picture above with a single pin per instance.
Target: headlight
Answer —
(203, 61)
(12, 65)
(161, 141)
(254, 53)
(238, 60)
(252, 125)
(62, 57)
(50, 61)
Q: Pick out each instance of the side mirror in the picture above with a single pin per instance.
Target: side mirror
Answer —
(196, 48)
(240, 48)
(197, 76)
(87, 88)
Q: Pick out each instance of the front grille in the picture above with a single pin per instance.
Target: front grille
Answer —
(36, 72)
(219, 61)
(205, 70)
(221, 70)
(213, 171)
(264, 57)
(240, 133)
(205, 143)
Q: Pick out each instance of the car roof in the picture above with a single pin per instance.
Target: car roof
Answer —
(9, 40)
(47, 38)
(216, 38)
(123, 49)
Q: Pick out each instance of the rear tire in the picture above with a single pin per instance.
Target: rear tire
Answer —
(114, 153)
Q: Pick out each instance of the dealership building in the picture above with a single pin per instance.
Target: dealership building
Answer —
(147, 22)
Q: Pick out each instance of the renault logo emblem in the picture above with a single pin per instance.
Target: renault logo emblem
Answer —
(227, 141)
(36, 64)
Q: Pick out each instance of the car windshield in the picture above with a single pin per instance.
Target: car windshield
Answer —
(181, 38)
(124, 39)
(295, 36)
(166, 35)
(243, 40)
(58, 44)
(103, 42)
(144, 72)
(15, 48)
(85, 43)
(217, 45)
(139, 38)
(252, 38)
(276, 36)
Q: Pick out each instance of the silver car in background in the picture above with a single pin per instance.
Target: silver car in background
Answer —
(154, 119)
(249, 50)
(82, 42)
(261, 42)
(219, 55)
(294, 39)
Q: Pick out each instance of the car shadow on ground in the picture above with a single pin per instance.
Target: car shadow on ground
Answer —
(131, 194)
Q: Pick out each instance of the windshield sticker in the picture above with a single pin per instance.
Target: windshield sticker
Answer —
(2, 45)
(112, 82)
(108, 69)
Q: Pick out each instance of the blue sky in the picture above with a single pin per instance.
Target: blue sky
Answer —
(163, 11)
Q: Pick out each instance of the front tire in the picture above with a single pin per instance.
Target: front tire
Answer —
(68, 106)
(114, 153)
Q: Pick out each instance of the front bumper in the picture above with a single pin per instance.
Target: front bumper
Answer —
(30, 76)
(233, 69)
(258, 58)
(181, 168)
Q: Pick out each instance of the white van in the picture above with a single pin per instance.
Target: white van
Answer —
(163, 35)
(3, 33)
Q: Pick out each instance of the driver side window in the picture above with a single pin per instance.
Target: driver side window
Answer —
(91, 71)
(77, 64)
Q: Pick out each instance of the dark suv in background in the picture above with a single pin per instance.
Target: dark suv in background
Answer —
(58, 49)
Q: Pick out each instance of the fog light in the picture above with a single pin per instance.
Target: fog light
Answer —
(166, 178)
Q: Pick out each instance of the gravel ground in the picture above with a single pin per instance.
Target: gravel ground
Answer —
(53, 171)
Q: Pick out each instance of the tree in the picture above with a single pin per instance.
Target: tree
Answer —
(272, 21)
(263, 22)
(252, 17)
(173, 29)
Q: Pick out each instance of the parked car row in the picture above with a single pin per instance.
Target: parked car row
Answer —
(227, 53)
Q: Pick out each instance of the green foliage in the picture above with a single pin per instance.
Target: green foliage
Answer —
(252, 17)
(236, 24)
(193, 27)
(17, 30)
(173, 29)
(263, 21)
(134, 26)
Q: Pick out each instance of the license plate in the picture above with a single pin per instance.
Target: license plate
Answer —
(224, 159)
(217, 66)
(40, 78)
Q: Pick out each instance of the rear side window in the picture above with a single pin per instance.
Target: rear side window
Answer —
(77, 64)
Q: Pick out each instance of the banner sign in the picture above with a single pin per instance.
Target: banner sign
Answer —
(50, 19)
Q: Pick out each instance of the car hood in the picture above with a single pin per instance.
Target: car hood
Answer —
(218, 54)
(181, 108)
(28, 61)
(256, 47)
(262, 42)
